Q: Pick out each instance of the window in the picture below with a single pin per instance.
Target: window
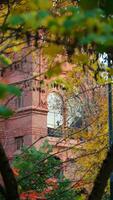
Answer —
(55, 110)
(74, 113)
(19, 141)
(19, 101)
(55, 115)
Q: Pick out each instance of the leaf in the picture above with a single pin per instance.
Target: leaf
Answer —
(30, 19)
(101, 48)
(81, 58)
(5, 112)
(110, 70)
(15, 20)
(15, 171)
(52, 50)
(88, 5)
(43, 17)
(4, 89)
(13, 90)
(54, 71)
(45, 4)
(5, 60)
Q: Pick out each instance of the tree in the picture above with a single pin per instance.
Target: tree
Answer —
(39, 172)
(86, 27)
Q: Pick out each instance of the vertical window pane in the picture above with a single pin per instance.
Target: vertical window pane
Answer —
(55, 107)
(19, 141)
(19, 101)
(74, 113)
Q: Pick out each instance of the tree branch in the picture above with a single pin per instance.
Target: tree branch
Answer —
(102, 177)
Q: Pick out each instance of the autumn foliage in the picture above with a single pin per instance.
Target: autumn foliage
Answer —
(41, 181)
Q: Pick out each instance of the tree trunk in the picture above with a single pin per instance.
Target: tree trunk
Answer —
(102, 177)
(8, 177)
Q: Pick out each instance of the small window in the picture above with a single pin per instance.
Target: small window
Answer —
(19, 141)
(19, 101)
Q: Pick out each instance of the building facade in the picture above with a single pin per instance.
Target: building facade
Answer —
(40, 111)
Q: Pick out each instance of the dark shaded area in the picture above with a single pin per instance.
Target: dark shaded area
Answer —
(77, 123)
(102, 177)
(11, 189)
(54, 132)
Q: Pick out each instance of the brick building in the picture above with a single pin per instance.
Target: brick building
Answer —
(36, 116)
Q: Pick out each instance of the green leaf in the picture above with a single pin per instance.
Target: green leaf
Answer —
(5, 112)
(101, 48)
(5, 60)
(4, 89)
(30, 19)
(14, 90)
(42, 15)
(54, 71)
(15, 20)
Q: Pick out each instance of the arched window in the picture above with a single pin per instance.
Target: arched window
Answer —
(55, 111)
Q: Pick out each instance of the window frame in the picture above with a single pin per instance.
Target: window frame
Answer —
(19, 142)
(19, 101)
